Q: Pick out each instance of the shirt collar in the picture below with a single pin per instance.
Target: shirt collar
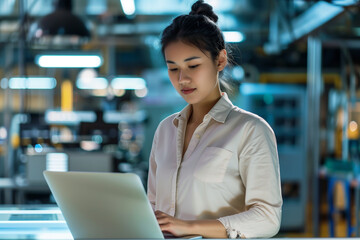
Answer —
(218, 112)
(183, 115)
(221, 109)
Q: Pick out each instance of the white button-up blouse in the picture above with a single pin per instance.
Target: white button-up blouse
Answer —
(230, 170)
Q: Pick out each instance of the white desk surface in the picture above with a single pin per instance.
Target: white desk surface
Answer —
(45, 229)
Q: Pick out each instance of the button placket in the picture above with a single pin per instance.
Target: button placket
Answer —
(179, 141)
(195, 139)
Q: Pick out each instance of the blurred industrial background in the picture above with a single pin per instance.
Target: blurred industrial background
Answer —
(296, 64)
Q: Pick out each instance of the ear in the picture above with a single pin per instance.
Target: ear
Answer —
(222, 60)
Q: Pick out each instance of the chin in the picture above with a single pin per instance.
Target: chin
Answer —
(190, 100)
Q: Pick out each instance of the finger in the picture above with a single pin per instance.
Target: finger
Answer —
(161, 217)
(163, 220)
(166, 228)
(160, 213)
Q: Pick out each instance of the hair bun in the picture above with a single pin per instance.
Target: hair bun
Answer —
(201, 8)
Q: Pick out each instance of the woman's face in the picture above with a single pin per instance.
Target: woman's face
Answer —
(193, 73)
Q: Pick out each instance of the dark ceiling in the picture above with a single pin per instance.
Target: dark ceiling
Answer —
(271, 28)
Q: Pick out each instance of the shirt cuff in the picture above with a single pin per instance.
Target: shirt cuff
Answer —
(232, 232)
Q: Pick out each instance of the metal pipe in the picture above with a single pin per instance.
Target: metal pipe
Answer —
(314, 83)
(21, 45)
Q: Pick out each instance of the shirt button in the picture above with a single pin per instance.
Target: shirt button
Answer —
(198, 135)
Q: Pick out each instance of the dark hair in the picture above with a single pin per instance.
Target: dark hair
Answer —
(198, 28)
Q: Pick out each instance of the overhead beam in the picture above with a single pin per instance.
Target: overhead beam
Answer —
(312, 19)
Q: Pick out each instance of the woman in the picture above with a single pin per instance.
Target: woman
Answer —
(214, 168)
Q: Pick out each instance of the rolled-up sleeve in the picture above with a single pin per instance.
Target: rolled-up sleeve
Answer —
(259, 171)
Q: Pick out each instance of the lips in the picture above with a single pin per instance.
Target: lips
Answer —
(187, 90)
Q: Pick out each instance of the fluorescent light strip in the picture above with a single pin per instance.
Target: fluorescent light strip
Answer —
(55, 211)
(116, 117)
(54, 222)
(128, 6)
(69, 117)
(69, 61)
(233, 36)
(128, 83)
(32, 83)
(93, 83)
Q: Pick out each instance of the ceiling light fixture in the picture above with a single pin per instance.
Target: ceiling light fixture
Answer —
(32, 83)
(131, 83)
(233, 36)
(92, 83)
(60, 27)
(69, 117)
(128, 6)
(69, 61)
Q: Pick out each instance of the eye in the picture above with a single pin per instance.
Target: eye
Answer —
(194, 66)
(172, 69)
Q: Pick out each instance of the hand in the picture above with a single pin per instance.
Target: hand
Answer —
(172, 225)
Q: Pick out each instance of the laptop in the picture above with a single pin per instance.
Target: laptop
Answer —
(104, 205)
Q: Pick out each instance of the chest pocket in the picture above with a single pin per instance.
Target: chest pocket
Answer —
(212, 165)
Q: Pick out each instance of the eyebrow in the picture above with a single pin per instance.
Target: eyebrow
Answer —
(186, 60)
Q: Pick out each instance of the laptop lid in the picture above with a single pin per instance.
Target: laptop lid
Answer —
(103, 205)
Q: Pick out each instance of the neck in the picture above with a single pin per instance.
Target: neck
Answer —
(199, 110)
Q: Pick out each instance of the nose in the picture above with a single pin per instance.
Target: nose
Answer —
(183, 77)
